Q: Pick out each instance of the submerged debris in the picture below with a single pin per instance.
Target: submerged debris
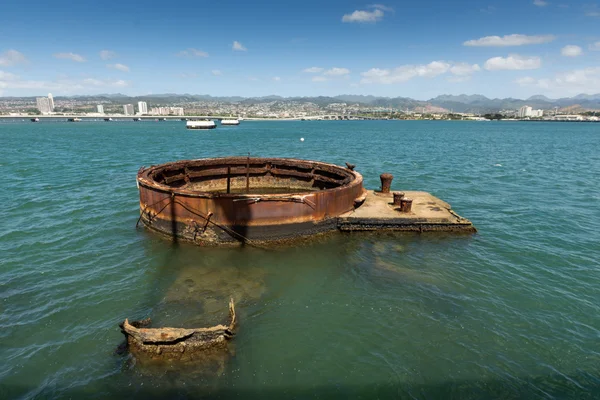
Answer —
(166, 344)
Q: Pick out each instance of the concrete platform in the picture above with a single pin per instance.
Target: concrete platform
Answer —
(428, 214)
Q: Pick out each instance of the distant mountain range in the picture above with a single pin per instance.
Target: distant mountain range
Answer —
(462, 103)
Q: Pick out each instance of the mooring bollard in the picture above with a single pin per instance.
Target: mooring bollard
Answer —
(397, 197)
(405, 205)
(386, 182)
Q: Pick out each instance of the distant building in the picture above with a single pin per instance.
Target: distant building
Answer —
(528, 112)
(100, 108)
(43, 105)
(524, 112)
(568, 118)
(128, 109)
(51, 102)
(537, 113)
(167, 111)
(142, 107)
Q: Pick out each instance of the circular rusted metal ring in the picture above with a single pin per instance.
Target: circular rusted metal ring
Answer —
(183, 191)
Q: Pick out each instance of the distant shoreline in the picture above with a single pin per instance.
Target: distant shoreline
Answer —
(114, 118)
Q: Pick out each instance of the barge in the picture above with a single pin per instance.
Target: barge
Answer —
(230, 122)
(200, 124)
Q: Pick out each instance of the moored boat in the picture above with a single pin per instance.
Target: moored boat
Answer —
(74, 119)
(230, 122)
(205, 124)
(35, 120)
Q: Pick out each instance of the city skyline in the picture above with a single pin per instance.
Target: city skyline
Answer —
(509, 49)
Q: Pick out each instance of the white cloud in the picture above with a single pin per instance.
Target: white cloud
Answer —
(595, 46)
(120, 67)
(185, 75)
(363, 16)
(568, 83)
(540, 3)
(7, 76)
(527, 80)
(571, 51)
(216, 72)
(63, 85)
(12, 57)
(405, 73)
(458, 79)
(238, 46)
(276, 78)
(70, 56)
(319, 79)
(192, 53)
(381, 7)
(107, 54)
(513, 62)
(509, 40)
(337, 71)
(313, 70)
(592, 10)
(105, 82)
(464, 69)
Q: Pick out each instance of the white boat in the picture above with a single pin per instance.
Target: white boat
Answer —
(74, 119)
(200, 124)
(35, 120)
(230, 122)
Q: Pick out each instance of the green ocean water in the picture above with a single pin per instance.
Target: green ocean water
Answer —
(511, 312)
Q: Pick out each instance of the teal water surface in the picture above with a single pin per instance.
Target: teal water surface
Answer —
(511, 312)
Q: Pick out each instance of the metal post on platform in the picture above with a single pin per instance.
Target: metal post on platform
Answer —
(405, 205)
(398, 198)
(386, 182)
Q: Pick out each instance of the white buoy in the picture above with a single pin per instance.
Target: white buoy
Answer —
(302, 139)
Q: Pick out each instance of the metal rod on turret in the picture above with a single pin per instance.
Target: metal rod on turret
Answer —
(248, 174)
(228, 179)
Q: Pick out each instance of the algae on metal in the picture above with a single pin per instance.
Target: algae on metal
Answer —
(152, 345)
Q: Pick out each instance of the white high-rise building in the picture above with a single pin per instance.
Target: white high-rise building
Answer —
(167, 111)
(100, 108)
(142, 107)
(51, 102)
(537, 113)
(524, 112)
(43, 104)
(128, 109)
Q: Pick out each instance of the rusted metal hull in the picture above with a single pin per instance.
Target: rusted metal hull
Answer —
(177, 344)
(210, 201)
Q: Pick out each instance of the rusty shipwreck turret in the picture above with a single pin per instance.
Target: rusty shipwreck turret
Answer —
(239, 199)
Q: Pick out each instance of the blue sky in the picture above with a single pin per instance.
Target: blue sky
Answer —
(412, 49)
